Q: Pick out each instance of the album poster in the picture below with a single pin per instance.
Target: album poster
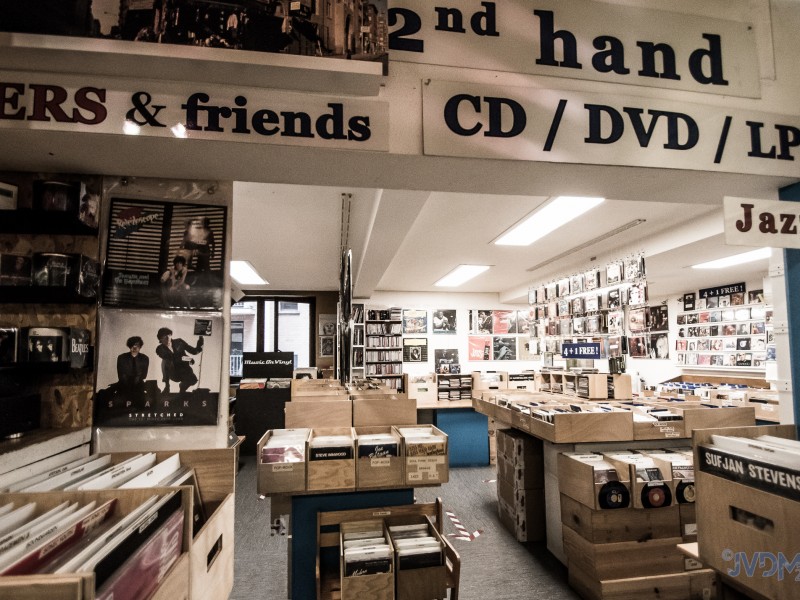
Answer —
(637, 319)
(275, 26)
(613, 273)
(415, 321)
(615, 322)
(480, 347)
(505, 348)
(551, 291)
(701, 303)
(444, 321)
(563, 287)
(614, 299)
(528, 349)
(576, 284)
(637, 346)
(525, 319)
(591, 279)
(634, 268)
(689, 301)
(637, 294)
(165, 255)
(158, 368)
(444, 358)
(659, 345)
(737, 298)
(505, 321)
(658, 318)
(755, 297)
(481, 321)
(415, 349)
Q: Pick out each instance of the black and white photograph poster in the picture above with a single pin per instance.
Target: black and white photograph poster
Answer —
(659, 345)
(443, 358)
(415, 321)
(415, 350)
(356, 31)
(444, 321)
(157, 368)
(505, 348)
(165, 255)
(481, 321)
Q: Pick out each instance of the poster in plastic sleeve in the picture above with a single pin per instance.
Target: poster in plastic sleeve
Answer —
(165, 255)
(158, 368)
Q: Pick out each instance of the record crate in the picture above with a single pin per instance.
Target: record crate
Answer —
(174, 584)
(701, 584)
(376, 586)
(384, 409)
(747, 512)
(333, 410)
(211, 550)
(426, 463)
(281, 477)
(424, 583)
(331, 468)
(379, 468)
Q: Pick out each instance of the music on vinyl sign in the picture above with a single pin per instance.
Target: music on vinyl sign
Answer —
(762, 223)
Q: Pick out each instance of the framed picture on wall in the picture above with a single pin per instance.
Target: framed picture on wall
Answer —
(444, 321)
(327, 324)
(415, 321)
(165, 255)
(326, 345)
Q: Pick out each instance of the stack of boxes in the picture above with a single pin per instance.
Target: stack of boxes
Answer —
(615, 546)
(520, 485)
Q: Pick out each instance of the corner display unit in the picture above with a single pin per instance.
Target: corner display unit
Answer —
(383, 352)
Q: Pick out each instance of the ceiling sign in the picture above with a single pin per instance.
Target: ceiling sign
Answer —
(762, 223)
(529, 123)
(579, 40)
(47, 101)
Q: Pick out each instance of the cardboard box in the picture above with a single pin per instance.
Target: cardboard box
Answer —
(692, 585)
(622, 525)
(526, 525)
(425, 463)
(333, 469)
(741, 514)
(281, 477)
(379, 467)
(384, 410)
(593, 481)
(620, 560)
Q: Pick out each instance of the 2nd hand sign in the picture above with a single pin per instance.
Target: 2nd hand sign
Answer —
(752, 222)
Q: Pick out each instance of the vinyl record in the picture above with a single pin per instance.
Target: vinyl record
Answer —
(656, 495)
(614, 495)
(685, 493)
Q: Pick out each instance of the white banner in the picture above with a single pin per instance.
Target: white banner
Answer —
(520, 123)
(186, 110)
(580, 40)
(762, 223)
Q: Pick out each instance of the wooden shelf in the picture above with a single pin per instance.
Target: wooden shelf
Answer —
(34, 222)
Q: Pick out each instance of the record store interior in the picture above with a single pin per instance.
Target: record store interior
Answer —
(390, 301)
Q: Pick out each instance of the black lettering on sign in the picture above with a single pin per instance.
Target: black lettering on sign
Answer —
(399, 40)
(788, 224)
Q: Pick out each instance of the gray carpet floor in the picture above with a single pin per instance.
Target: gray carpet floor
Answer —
(493, 566)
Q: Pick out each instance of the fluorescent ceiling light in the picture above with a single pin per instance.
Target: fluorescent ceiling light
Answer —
(547, 219)
(461, 274)
(244, 273)
(736, 259)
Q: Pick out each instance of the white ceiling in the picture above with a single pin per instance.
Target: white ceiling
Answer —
(405, 241)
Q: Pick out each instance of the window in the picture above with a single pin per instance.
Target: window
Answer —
(273, 325)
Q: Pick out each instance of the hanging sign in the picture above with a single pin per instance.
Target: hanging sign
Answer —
(580, 350)
(47, 101)
(580, 40)
(770, 223)
(526, 123)
(723, 290)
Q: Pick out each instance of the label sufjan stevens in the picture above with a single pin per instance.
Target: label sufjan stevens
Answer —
(330, 453)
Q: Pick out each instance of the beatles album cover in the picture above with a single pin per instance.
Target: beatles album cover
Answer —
(165, 255)
(157, 368)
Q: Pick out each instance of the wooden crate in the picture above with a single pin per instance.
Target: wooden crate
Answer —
(280, 478)
(640, 489)
(621, 525)
(737, 519)
(425, 583)
(380, 471)
(424, 468)
(332, 474)
(81, 586)
(692, 585)
(211, 551)
(572, 428)
(621, 560)
(379, 586)
(581, 477)
(336, 411)
(522, 381)
(481, 383)
(384, 410)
